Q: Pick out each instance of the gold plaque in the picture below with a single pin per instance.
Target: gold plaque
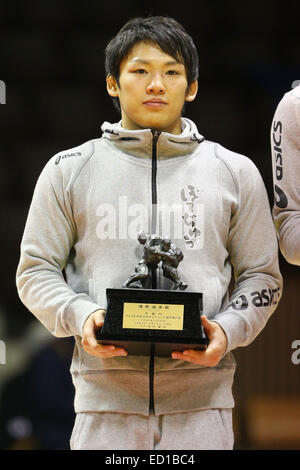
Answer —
(151, 316)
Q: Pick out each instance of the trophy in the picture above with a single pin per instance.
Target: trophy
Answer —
(141, 318)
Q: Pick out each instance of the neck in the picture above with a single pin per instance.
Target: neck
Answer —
(172, 129)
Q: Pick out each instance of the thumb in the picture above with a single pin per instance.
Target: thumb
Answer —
(99, 317)
(208, 327)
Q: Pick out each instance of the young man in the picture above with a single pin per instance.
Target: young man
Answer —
(150, 172)
(285, 147)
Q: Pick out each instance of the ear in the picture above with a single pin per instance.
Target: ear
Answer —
(111, 85)
(192, 91)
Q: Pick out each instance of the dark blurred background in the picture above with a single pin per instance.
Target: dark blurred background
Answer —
(51, 60)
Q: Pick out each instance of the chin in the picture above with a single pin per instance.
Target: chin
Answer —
(153, 124)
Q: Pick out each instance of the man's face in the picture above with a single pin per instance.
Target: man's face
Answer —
(152, 89)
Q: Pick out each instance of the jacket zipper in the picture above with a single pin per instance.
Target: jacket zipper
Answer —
(156, 135)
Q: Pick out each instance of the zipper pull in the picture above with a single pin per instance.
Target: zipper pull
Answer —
(156, 135)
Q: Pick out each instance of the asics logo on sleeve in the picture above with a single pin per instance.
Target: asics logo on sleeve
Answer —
(264, 298)
(66, 155)
(281, 200)
(241, 303)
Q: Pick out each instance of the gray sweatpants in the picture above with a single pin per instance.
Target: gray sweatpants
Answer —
(196, 430)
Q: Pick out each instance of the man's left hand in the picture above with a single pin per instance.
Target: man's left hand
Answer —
(217, 346)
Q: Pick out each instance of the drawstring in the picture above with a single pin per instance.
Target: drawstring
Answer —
(196, 139)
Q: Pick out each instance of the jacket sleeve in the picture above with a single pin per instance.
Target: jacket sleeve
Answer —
(253, 250)
(49, 236)
(285, 149)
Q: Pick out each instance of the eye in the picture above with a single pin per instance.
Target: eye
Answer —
(172, 72)
(139, 71)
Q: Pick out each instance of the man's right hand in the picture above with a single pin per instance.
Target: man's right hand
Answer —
(89, 341)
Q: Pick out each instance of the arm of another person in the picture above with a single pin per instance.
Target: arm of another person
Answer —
(285, 149)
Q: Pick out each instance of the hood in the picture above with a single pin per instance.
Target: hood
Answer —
(139, 142)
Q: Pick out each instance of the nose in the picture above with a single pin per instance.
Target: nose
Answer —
(156, 85)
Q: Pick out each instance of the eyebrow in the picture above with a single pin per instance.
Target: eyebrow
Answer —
(143, 61)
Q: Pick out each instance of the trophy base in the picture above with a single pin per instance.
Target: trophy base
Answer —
(144, 348)
(151, 320)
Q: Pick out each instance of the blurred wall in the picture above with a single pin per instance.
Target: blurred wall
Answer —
(51, 60)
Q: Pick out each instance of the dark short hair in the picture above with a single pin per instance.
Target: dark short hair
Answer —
(164, 31)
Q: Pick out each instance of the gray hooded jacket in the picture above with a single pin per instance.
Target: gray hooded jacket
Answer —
(88, 206)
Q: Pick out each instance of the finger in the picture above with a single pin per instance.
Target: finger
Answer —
(120, 352)
(111, 348)
(187, 354)
(99, 317)
(105, 354)
(105, 347)
(208, 327)
(208, 357)
(98, 348)
(92, 324)
(89, 327)
(89, 338)
(103, 350)
(177, 355)
(194, 353)
(203, 358)
(184, 357)
(100, 352)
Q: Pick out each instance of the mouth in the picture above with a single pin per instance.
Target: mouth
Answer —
(155, 103)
